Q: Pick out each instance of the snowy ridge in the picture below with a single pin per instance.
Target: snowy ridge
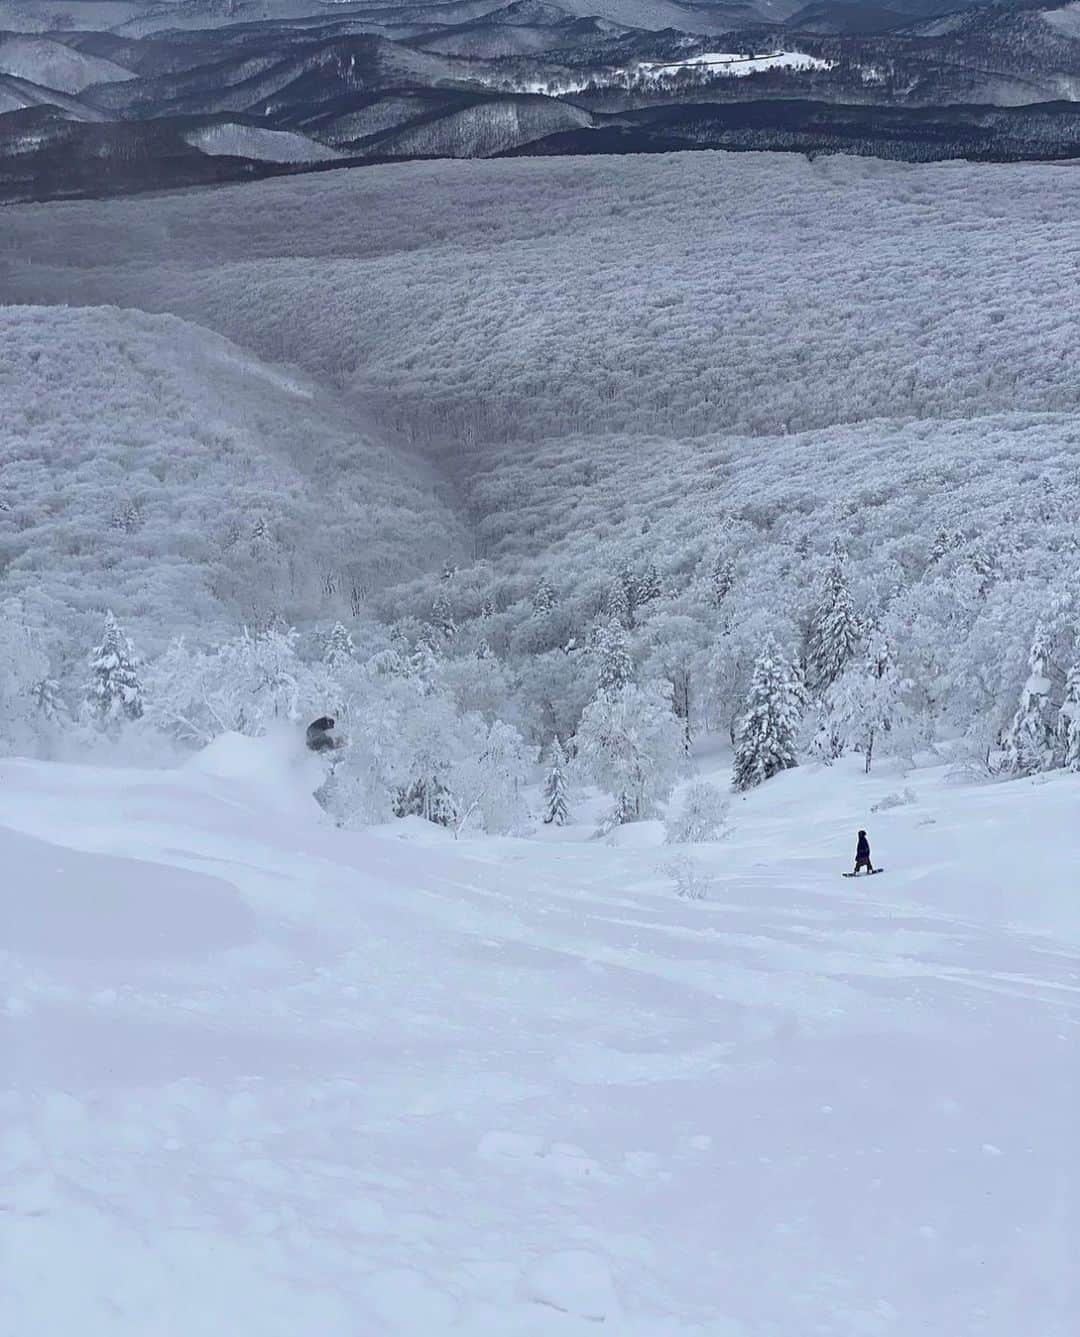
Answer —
(273, 1077)
(54, 65)
(246, 141)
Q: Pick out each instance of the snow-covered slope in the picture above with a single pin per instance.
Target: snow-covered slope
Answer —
(246, 141)
(18, 94)
(54, 65)
(485, 129)
(265, 1077)
(150, 465)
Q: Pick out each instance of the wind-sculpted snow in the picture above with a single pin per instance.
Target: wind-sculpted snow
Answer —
(153, 467)
(296, 1080)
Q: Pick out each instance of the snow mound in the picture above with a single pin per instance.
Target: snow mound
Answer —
(91, 907)
(245, 141)
(53, 65)
(573, 1282)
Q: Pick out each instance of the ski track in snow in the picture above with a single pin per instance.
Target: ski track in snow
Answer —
(266, 1077)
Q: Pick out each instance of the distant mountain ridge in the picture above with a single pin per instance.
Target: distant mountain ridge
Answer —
(475, 78)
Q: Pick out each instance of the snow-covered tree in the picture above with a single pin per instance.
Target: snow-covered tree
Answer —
(615, 667)
(700, 816)
(49, 701)
(442, 618)
(1068, 726)
(648, 586)
(487, 784)
(766, 742)
(835, 632)
(22, 666)
(556, 787)
(338, 649)
(629, 743)
(1030, 742)
(723, 580)
(618, 604)
(544, 597)
(114, 693)
(866, 702)
(244, 686)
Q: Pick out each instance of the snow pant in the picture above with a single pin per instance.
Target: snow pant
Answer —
(864, 863)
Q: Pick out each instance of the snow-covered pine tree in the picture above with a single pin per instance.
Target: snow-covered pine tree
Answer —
(723, 580)
(1068, 726)
(1030, 742)
(338, 649)
(114, 692)
(556, 787)
(648, 586)
(483, 650)
(442, 618)
(618, 605)
(615, 666)
(766, 743)
(544, 597)
(835, 631)
(487, 609)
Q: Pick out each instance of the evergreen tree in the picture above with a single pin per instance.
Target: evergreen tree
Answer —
(648, 586)
(615, 665)
(114, 692)
(766, 743)
(338, 649)
(544, 597)
(723, 580)
(1068, 728)
(442, 618)
(834, 633)
(556, 787)
(483, 650)
(619, 607)
(487, 609)
(1030, 742)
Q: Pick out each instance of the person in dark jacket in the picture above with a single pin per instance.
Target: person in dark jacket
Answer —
(320, 736)
(862, 854)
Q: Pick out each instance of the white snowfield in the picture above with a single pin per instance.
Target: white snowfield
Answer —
(732, 64)
(265, 1078)
(247, 141)
(54, 65)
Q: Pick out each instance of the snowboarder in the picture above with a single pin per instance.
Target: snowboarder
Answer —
(862, 854)
(320, 734)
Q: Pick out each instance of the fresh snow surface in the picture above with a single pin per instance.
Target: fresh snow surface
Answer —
(1066, 20)
(730, 63)
(266, 1078)
(246, 141)
(53, 65)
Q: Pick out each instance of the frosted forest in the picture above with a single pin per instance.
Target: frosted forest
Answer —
(568, 473)
(454, 619)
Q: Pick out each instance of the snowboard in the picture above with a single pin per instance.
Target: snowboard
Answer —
(876, 870)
